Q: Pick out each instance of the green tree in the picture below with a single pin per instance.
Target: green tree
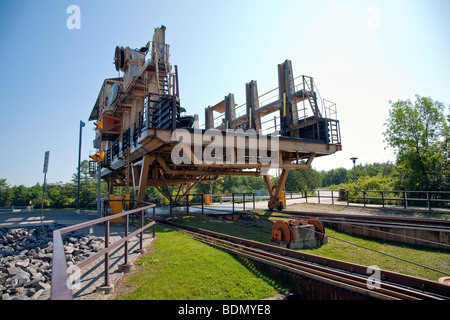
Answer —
(5, 193)
(60, 195)
(35, 193)
(88, 185)
(20, 196)
(302, 179)
(225, 184)
(256, 183)
(370, 170)
(153, 195)
(419, 134)
(335, 177)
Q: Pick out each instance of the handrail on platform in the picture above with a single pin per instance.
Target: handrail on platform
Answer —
(61, 288)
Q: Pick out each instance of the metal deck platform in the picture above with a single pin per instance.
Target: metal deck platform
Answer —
(143, 139)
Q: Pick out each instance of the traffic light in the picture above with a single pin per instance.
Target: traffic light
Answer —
(99, 125)
(98, 156)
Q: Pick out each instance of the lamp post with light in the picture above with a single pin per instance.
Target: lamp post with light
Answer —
(82, 124)
(354, 166)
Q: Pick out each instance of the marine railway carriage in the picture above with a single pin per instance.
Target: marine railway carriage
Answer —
(136, 114)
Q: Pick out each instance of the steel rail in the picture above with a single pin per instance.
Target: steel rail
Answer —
(393, 285)
(339, 278)
(294, 268)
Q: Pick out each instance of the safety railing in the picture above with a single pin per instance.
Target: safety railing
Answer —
(16, 208)
(165, 114)
(219, 120)
(204, 200)
(240, 110)
(330, 109)
(424, 199)
(266, 99)
(159, 52)
(271, 123)
(383, 198)
(61, 284)
(326, 107)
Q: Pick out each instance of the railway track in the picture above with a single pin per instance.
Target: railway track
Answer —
(385, 220)
(433, 233)
(355, 279)
(415, 222)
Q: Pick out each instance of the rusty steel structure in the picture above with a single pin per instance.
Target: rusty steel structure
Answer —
(138, 112)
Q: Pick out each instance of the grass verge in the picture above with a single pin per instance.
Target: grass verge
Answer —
(181, 268)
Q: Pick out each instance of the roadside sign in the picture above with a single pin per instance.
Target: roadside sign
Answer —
(47, 155)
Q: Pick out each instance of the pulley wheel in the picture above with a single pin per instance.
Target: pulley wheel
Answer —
(318, 226)
(285, 231)
(119, 58)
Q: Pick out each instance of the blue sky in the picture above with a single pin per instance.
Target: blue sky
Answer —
(361, 54)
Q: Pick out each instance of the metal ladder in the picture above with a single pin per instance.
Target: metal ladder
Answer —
(334, 132)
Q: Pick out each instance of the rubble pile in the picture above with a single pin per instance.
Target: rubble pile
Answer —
(26, 259)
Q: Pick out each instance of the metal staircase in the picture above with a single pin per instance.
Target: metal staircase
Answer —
(308, 86)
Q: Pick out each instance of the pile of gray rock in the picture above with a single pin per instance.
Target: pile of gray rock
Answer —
(26, 258)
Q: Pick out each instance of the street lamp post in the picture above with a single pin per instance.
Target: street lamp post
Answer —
(354, 166)
(79, 160)
(99, 180)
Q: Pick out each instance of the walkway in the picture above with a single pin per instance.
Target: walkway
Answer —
(93, 276)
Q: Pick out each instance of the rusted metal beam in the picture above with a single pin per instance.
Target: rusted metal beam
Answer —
(60, 278)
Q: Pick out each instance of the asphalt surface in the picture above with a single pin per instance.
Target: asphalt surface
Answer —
(33, 218)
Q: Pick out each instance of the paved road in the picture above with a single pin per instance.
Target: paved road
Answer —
(33, 218)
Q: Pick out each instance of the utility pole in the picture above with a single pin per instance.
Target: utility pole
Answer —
(98, 157)
(99, 181)
(79, 163)
(354, 166)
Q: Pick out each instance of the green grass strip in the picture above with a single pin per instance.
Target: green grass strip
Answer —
(181, 268)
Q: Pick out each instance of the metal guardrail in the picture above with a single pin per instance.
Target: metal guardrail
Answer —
(368, 198)
(16, 208)
(61, 289)
(420, 199)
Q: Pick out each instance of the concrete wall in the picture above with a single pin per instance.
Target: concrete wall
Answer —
(438, 238)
